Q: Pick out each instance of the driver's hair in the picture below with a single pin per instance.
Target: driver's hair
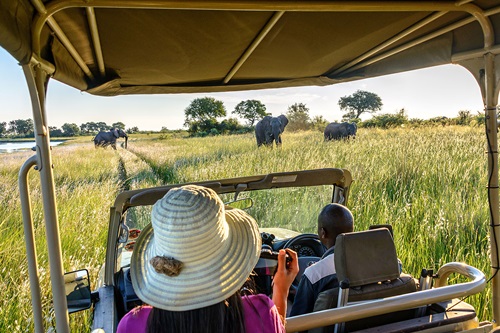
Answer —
(224, 317)
(335, 219)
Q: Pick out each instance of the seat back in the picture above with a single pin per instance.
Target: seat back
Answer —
(368, 261)
(366, 257)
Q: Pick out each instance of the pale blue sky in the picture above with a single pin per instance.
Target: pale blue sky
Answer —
(438, 91)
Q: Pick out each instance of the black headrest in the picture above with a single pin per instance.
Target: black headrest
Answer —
(366, 257)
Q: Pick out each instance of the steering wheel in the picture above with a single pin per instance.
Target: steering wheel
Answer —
(304, 261)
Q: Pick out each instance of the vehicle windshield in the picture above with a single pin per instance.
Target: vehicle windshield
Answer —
(292, 209)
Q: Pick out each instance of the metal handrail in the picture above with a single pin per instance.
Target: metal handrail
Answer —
(29, 239)
(395, 303)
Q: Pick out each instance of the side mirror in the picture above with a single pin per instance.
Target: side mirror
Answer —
(78, 293)
(242, 204)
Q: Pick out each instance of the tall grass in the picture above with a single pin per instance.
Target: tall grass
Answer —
(428, 183)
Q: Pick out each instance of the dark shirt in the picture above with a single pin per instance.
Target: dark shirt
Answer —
(317, 278)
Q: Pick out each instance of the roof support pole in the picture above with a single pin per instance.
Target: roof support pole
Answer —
(388, 43)
(258, 39)
(96, 40)
(490, 103)
(37, 80)
(38, 4)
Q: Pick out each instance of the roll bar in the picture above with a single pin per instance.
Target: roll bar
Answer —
(396, 303)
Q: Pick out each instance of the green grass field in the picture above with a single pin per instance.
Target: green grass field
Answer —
(429, 183)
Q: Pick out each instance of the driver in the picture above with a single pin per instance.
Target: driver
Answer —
(333, 220)
(190, 263)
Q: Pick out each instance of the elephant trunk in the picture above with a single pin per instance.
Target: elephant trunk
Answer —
(126, 140)
(276, 134)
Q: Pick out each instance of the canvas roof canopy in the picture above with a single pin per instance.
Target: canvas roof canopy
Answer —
(114, 47)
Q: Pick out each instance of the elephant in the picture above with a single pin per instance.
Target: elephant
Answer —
(269, 129)
(337, 131)
(104, 139)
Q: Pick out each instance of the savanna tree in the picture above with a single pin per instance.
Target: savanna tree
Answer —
(102, 126)
(202, 113)
(119, 125)
(298, 117)
(70, 129)
(318, 123)
(92, 127)
(134, 129)
(55, 131)
(21, 127)
(3, 128)
(358, 103)
(251, 110)
(464, 117)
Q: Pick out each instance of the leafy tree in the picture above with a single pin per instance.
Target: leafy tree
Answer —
(251, 110)
(21, 127)
(201, 110)
(442, 120)
(479, 119)
(318, 123)
(119, 125)
(298, 117)
(70, 129)
(202, 127)
(102, 126)
(464, 117)
(55, 132)
(134, 129)
(92, 127)
(230, 126)
(358, 103)
(84, 128)
(3, 128)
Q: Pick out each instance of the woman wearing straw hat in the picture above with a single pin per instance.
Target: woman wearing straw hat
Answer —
(189, 264)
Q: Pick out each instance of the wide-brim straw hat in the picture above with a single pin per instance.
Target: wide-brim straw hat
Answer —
(217, 247)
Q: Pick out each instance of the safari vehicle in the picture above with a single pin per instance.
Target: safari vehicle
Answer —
(116, 47)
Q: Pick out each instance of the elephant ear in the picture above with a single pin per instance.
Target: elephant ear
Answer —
(115, 132)
(283, 121)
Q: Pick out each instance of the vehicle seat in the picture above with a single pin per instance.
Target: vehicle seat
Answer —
(367, 261)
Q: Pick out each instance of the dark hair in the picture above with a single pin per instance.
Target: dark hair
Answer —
(336, 219)
(224, 317)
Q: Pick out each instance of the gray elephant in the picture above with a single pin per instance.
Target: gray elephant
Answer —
(337, 131)
(104, 139)
(269, 129)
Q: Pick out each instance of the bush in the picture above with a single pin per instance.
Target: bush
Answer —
(386, 120)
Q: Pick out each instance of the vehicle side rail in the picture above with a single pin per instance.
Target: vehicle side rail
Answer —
(29, 239)
(442, 292)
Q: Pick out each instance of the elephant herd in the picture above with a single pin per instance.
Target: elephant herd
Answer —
(267, 132)
(269, 129)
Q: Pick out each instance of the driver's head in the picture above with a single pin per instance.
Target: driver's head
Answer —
(333, 220)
